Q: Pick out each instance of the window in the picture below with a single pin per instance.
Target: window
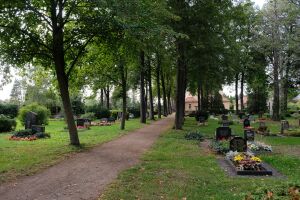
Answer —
(190, 106)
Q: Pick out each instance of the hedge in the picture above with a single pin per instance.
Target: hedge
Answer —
(6, 124)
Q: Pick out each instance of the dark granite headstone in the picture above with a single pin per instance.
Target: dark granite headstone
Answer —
(246, 122)
(30, 119)
(238, 144)
(111, 120)
(38, 129)
(201, 119)
(224, 117)
(249, 134)
(223, 133)
(83, 122)
(225, 123)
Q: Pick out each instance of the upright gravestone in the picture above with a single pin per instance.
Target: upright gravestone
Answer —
(249, 135)
(30, 119)
(225, 123)
(223, 133)
(80, 122)
(246, 123)
(224, 117)
(202, 119)
(284, 126)
(238, 144)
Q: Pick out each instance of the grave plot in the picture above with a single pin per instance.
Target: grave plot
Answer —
(262, 128)
(83, 123)
(33, 130)
(288, 130)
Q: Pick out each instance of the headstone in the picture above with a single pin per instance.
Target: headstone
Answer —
(249, 134)
(262, 124)
(223, 133)
(201, 119)
(226, 123)
(30, 119)
(238, 144)
(83, 122)
(285, 125)
(38, 129)
(224, 117)
(111, 120)
(246, 122)
(251, 118)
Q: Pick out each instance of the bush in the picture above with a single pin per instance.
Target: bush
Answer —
(7, 124)
(90, 115)
(42, 113)
(9, 110)
(194, 136)
(114, 113)
(135, 111)
(29, 133)
(99, 111)
(201, 113)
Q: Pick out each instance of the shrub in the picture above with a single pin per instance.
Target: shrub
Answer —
(201, 113)
(194, 136)
(90, 115)
(135, 111)
(114, 113)
(29, 133)
(42, 113)
(99, 111)
(9, 110)
(7, 124)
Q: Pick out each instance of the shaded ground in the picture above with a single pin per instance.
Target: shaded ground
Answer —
(85, 175)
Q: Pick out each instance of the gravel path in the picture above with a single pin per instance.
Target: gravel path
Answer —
(85, 175)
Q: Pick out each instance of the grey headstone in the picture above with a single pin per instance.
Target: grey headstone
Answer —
(238, 144)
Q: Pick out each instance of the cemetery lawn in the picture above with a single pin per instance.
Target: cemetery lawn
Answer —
(19, 158)
(176, 168)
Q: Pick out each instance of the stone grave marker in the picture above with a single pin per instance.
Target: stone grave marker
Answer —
(249, 135)
(262, 124)
(224, 117)
(246, 122)
(238, 144)
(225, 123)
(284, 126)
(223, 133)
(30, 119)
(38, 129)
(201, 119)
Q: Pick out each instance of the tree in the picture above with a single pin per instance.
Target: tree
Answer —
(16, 93)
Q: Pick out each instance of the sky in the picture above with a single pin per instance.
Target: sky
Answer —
(228, 90)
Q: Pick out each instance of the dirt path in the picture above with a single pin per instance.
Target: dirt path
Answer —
(85, 175)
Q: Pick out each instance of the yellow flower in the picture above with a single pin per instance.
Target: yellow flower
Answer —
(256, 159)
(238, 158)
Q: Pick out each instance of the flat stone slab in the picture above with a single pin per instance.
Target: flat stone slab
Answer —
(231, 171)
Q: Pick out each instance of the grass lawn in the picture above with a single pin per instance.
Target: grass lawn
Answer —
(179, 169)
(24, 157)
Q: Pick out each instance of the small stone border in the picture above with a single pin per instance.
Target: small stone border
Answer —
(230, 171)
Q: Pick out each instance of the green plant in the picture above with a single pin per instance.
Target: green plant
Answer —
(99, 111)
(221, 147)
(194, 136)
(42, 113)
(135, 111)
(7, 124)
(10, 110)
(89, 115)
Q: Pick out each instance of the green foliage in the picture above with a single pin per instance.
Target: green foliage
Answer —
(77, 105)
(42, 113)
(7, 124)
(201, 113)
(195, 135)
(10, 110)
(99, 111)
(221, 147)
(135, 111)
(89, 115)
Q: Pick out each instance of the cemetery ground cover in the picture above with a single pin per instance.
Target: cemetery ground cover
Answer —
(27, 157)
(176, 168)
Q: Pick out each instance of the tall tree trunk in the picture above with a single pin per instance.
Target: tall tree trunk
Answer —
(199, 95)
(101, 97)
(202, 97)
(164, 93)
(59, 61)
(242, 91)
(107, 91)
(151, 114)
(158, 85)
(237, 93)
(276, 103)
(123, 74)
(276, 38)
(180, 86)
(142, 88)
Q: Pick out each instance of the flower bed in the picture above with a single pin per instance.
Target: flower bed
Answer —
(28, 135)
(259, 147)
(247, 164)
